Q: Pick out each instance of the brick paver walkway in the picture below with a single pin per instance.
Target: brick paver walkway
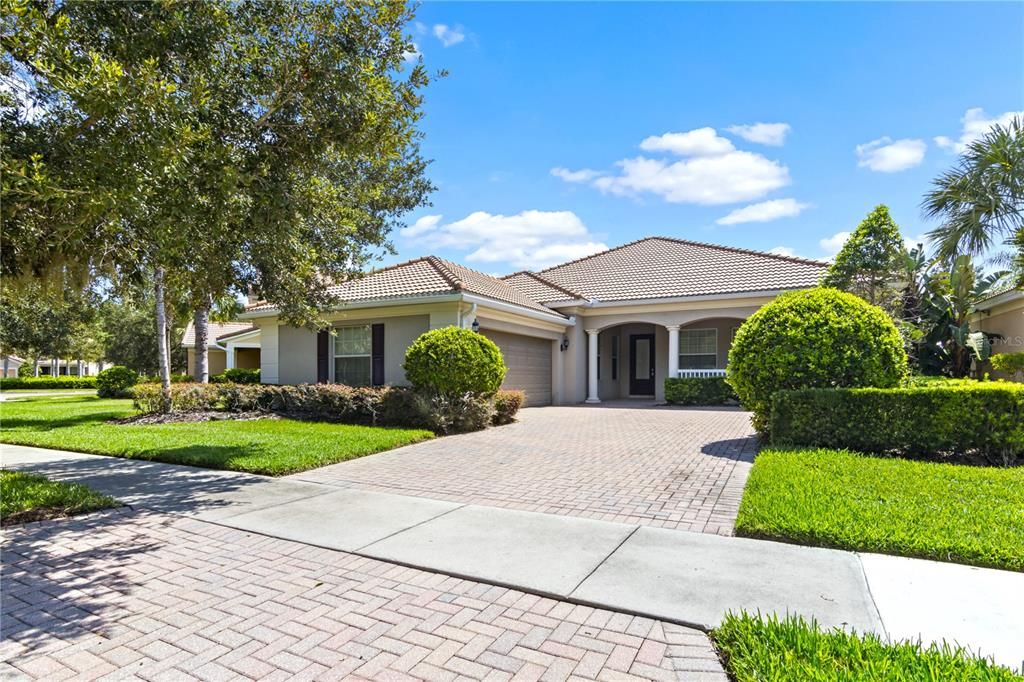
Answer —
(154, 597)
(673, 468)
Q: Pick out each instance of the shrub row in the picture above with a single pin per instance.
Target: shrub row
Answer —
(236, 375)
(384, 406)
(702, 391)
(15, 383)
(984, 420)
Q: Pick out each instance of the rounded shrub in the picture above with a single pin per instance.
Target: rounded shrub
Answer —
(453, 361)
(115, 382)
(819, 338)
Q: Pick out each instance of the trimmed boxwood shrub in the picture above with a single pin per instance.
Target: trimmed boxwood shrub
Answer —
(237, 375)
(116, 382)
(698, 391)
(984, 420)
(1009, 363)
(506, 405)
(57, 382)
(818, 338)
(452, 361)
(185, 397)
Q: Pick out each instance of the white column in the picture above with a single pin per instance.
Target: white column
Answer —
(592, 366)
(230, 357)
(673, 350)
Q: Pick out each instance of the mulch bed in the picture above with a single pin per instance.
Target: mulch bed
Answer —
(193, 417)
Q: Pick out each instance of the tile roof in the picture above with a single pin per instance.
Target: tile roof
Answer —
(538, 288)
(215, 331)
(662, 267)
(427, 276)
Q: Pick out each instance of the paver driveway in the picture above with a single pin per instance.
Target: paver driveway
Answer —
(130, 595)
(667, 467)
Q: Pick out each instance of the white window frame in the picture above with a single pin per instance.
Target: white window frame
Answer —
(335, 354)
(682, 364)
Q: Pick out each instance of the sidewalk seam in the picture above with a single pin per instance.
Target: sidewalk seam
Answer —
(415, 525)
(602, 561)
(871, 595)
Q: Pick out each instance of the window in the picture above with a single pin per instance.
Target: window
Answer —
(352, 351)
(698, 348)
(615, 358)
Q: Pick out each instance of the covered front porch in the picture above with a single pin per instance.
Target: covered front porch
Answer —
(633, 359)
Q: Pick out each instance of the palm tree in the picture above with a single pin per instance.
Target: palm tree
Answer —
(981, 200)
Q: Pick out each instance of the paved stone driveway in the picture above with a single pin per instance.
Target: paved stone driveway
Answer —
(130, 595)
(673, 468)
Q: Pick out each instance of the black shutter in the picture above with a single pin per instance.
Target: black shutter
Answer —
(377, 355)
(323, 346)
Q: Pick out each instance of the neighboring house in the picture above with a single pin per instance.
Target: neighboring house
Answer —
(1002, 313)
(228, 344)
(51, 367)
(612, 325)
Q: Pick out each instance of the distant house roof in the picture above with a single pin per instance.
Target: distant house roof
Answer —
(215, 332)
(1000, 295)
(662, 267)
(427, 276)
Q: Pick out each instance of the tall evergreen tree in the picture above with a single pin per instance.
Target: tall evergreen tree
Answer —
(872, 261)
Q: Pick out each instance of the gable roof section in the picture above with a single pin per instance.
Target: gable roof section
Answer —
(215, 331)
(427, 276)
(538, 288)
(662, 267)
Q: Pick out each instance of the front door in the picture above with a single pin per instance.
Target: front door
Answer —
(641, 372)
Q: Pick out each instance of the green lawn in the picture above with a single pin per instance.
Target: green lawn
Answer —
(947, 512)
(756, 649)
(271, 446)
(30, 497)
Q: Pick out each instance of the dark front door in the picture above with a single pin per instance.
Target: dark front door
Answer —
(641, 364)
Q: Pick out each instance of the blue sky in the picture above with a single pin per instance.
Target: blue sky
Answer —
(566, 128)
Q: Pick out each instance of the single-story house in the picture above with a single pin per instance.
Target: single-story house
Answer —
(228, 344)
(1001, 313)
(608, 326)
(51, 366)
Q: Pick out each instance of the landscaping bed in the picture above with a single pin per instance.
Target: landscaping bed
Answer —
(29, 497)
(834, 498)
(755, 649)
(263, 446)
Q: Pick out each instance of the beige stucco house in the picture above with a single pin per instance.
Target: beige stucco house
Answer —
(609, 326)
(228, 344)
(1002, 314)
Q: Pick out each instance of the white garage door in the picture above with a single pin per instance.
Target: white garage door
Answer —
(529, 365)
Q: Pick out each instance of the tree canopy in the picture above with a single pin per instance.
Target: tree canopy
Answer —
(871, 261)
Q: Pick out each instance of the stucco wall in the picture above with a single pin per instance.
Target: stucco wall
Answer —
(1009, 322)
(247, 358)
(297, 348)
(216, 361)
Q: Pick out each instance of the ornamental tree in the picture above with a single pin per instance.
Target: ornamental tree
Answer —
(871, 262)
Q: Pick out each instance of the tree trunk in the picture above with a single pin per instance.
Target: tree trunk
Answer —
(81, 368)
(35, 366)
(161, 341)
(7, 365)
(99, 366)
(202, 327)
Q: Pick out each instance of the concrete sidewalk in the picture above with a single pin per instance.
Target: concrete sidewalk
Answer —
(683, 577)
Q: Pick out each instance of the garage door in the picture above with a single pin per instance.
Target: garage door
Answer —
(529, 365)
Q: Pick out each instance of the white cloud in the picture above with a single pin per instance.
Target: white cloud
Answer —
(763, 212)
(886, 155)
(699, 142)
(531, 239)
(707, 180)
(783, 251)
(581, 175)
(449, 35)
(912, 241)
(832, 245)
(975, 124)
(773, 134)
(422, 225)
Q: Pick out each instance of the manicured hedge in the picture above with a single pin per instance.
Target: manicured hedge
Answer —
(453, 361)
(116, 382)
(818, 338)
(384, 406)
(57, 382)
(694, 391)
(984, 420)
(237, 375)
